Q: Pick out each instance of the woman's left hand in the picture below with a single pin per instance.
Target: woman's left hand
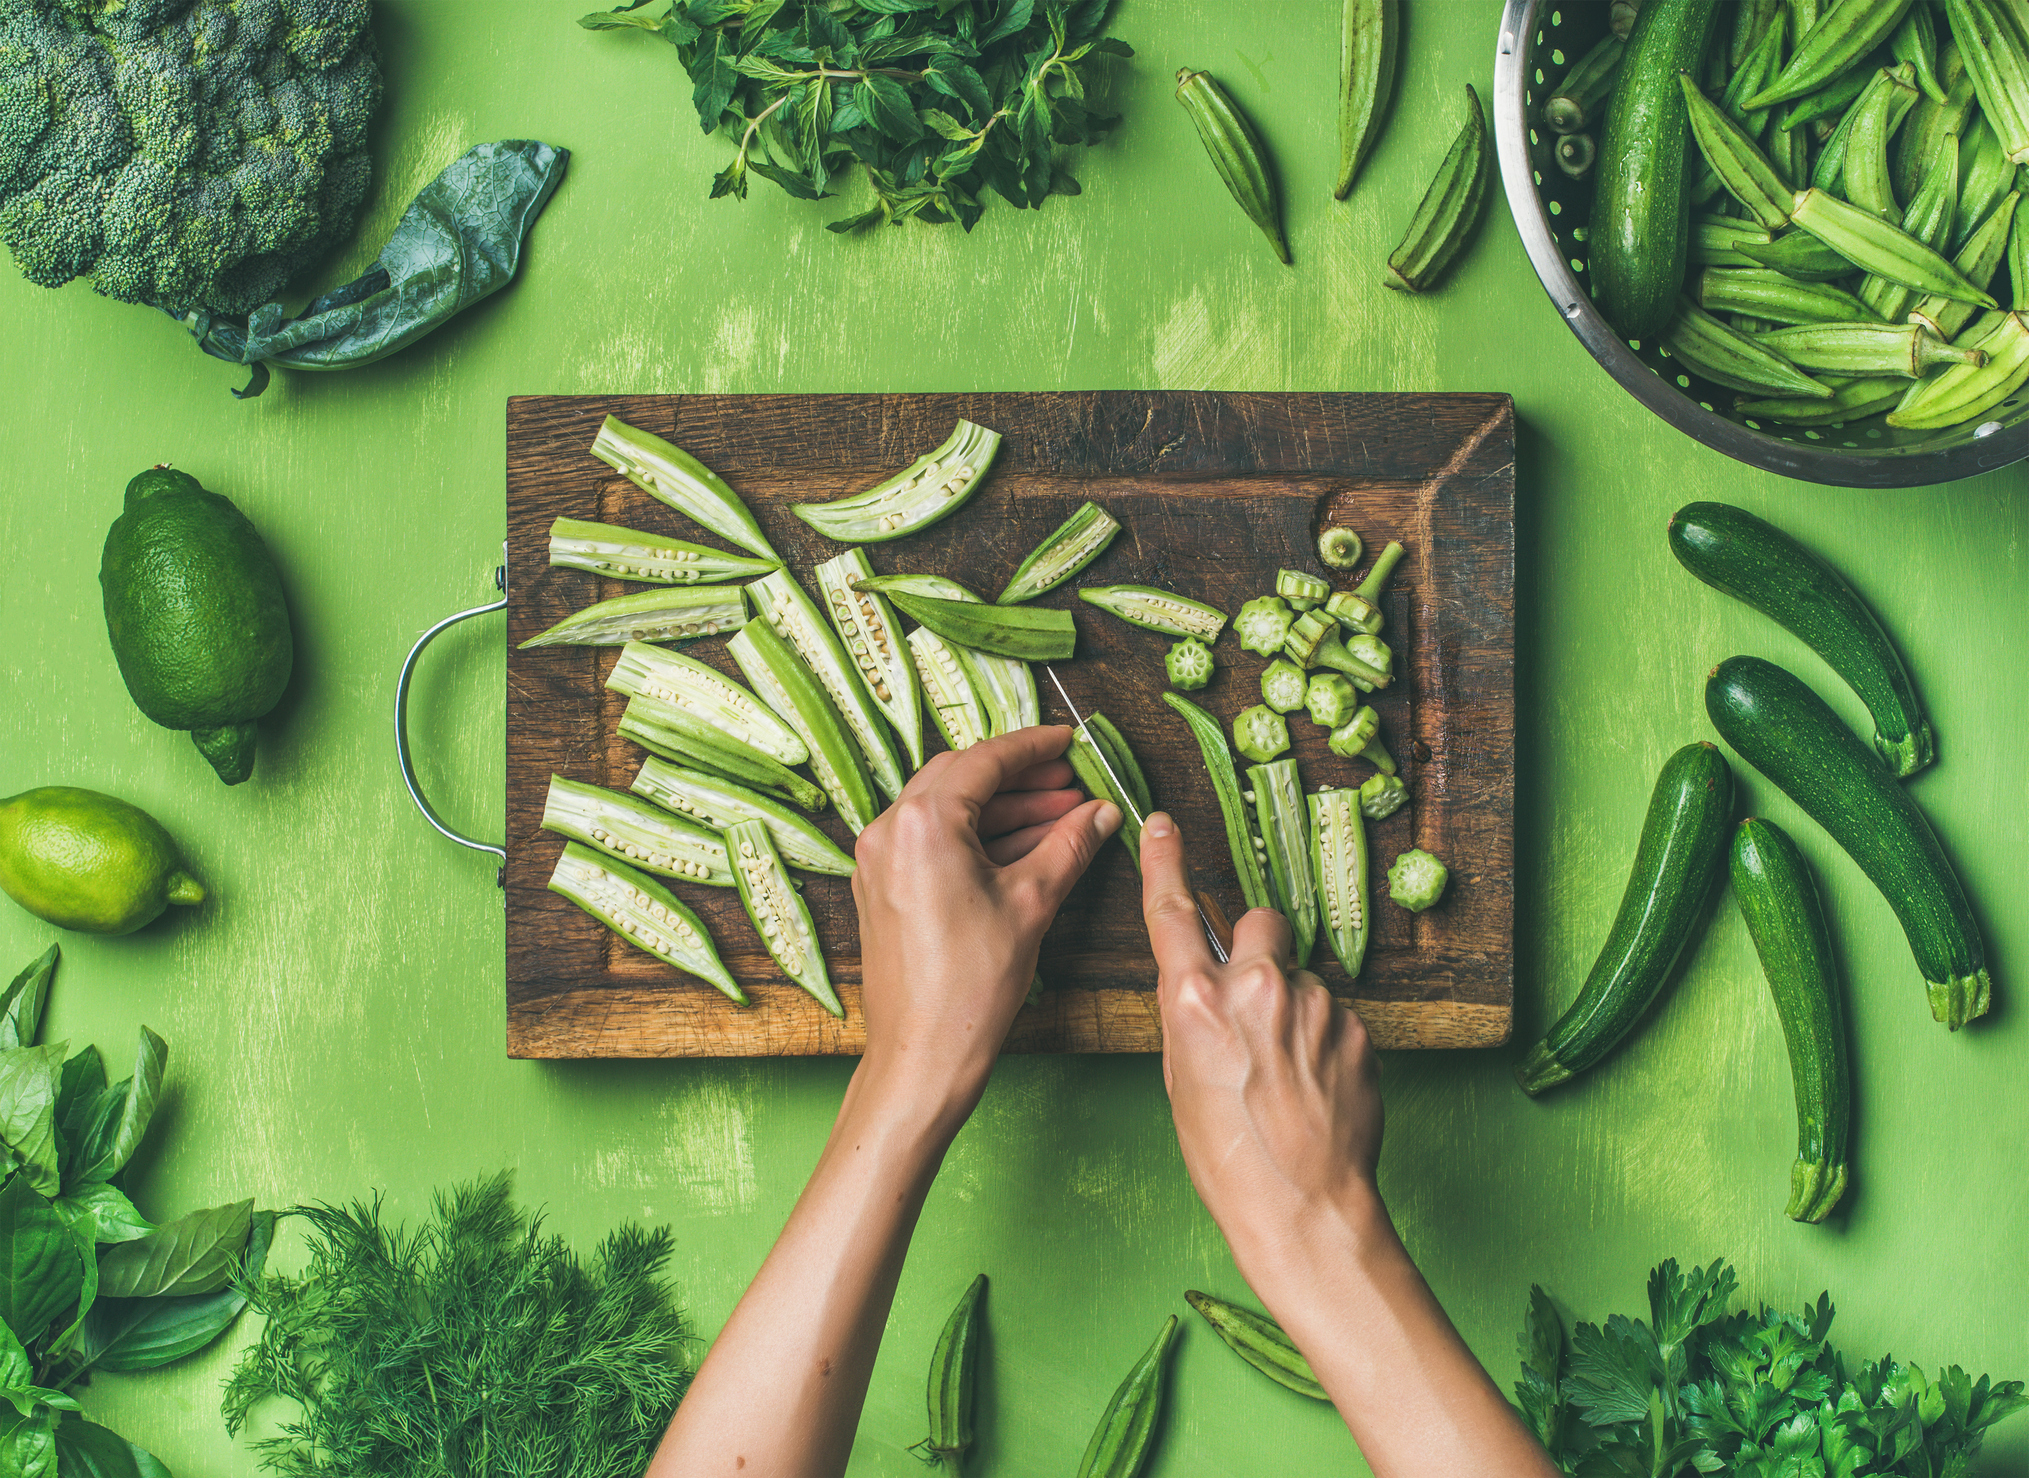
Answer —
(955, 885)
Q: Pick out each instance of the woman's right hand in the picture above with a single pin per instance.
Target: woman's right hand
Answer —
(1273, 1085)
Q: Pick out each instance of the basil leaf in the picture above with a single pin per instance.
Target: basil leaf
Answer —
(28, 1444)
(40, 1274)
(193, 1254)
(84, 1235)
(21, 1003)
(795, 184)
(127, 1334)
(892, 111)
(16, 1372)
(460, 239)
(78, 1086)
(1014, 17)
(105, 1209)
(28, 1083)
(121, 1116)
(86, 1450)
(711, 70)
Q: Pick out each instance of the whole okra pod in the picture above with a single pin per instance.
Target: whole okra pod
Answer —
(1929, 121)
(1768, 294)
(954, 1378)
(1914, 42)
(1866, 172)
(1850, 401)
(1966, 391)
(1571, 108)
(1736, 159)
(1709, 348)
(1841, 38)
(1126, 1432)
(1247, 863)
(1366, 76)
(1236, 152)
(1259, 1341)
(1450, 209)
(1929, 220)
(1867, 349)
(1996, 52)
(1873, 245)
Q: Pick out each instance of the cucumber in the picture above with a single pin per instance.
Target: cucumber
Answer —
(1786, 921)
(1754, 561)
(1683, 838)
(1641, 207)
(1784, 730)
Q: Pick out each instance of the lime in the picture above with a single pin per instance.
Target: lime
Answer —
(83, 860)
(195, 610)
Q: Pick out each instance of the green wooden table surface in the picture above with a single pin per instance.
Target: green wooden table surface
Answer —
(335, 1011)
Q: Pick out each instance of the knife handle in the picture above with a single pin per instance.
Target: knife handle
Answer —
(1215, 921)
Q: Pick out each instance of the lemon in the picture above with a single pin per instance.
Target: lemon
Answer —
(87, 861)
(195, 611)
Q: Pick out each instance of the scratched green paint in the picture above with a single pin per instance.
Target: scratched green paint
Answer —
(335, 1012)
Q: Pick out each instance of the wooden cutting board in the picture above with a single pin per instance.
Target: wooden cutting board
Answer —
(1215, 493)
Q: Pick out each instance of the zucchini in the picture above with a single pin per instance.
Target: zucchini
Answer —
(1753, 561)
(1641, 213)
(1786, 921)
(1683, 839)
(1784, 730)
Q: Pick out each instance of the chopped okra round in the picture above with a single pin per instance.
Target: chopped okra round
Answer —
(1382, 796)
(1330, 699)
(1283, 686)
(1260, 734)
(1189, 664)
(1262, 624)
(1416, 880)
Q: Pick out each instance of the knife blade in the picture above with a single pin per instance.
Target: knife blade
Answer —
(1219, 934)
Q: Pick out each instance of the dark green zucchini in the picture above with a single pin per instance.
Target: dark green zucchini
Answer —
(1784, 730)
(1786, 921)
(1683, 839)
(1640, 232)
(1754, 561)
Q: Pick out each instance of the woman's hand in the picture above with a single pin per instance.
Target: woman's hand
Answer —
(1274, 1088)
(956, 883)
(1276, 1097)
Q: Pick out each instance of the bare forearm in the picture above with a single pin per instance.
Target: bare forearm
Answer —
(1413, 1395)
(781, 1390)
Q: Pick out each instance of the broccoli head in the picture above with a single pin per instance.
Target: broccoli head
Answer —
(191, 155)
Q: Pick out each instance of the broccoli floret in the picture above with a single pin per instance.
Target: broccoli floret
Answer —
(190, 155)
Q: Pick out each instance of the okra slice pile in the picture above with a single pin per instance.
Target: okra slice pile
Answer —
(643, 835)
(627, 554)
(778, 912)
(677, 614)
(683, 482)
(781, 603)
(866, 623)
(707, 695)
(928, 489)
(643, 912)
(664, 729)
(786, 685)
(718, 803)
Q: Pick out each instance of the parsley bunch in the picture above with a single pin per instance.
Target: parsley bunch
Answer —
(1758, 1395)
(475, 1344)
(939, 100)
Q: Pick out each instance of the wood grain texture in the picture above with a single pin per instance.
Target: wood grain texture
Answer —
(1215, 492)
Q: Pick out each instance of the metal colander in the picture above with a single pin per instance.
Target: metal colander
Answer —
(1540, 40)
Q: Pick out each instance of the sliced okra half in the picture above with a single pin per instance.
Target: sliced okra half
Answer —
(1006, 685)
(954, 703)
(872, 635)
(1338, 865)
(683, 482)
(714, 801)
(1098, 736)
(1248, 867)
(1282, 821)
(1024, 633)
(680, 613)
(628, 554)
(786, 685)
(629, 828)
(644, 913)
(778, 911)
(1075, 543)
(788, 611)
(931, 487)
(706, 694)
(664, 729)
(1158, 610)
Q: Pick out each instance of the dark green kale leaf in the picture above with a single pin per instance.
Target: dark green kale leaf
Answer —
(1761, 1394)
(937, 101)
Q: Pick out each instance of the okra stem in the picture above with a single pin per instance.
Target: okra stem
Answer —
(1369, 589)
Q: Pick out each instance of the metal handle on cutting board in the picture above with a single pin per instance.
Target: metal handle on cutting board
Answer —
(402, 719)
